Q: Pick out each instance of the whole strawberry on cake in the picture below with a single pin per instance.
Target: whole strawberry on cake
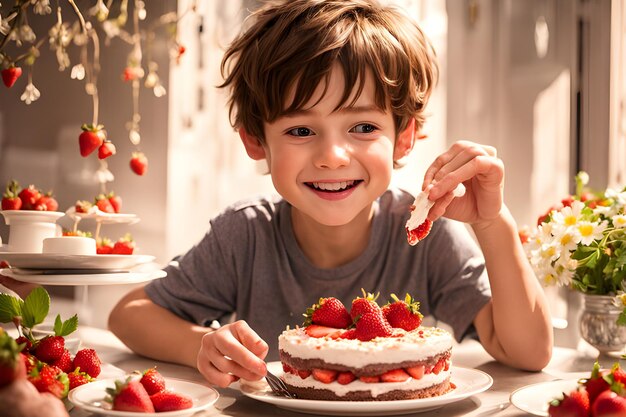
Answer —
(367, 354)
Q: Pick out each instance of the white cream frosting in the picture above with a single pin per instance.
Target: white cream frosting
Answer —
(409, 346)
(70, 245)
(376, 389)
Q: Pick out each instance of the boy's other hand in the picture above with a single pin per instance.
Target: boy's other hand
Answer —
(481, 172)
(22, 289)
(232, 352)
(21, 398)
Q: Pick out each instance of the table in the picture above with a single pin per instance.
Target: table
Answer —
(565, 364)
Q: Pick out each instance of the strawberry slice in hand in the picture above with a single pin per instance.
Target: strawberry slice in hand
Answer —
(10, 75)
(418, 226)
(91, 139)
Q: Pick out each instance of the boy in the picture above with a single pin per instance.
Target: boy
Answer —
(331, 95)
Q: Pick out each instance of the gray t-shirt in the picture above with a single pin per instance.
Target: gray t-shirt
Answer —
(249, 264)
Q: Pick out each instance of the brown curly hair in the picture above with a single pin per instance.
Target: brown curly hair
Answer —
(292, 45)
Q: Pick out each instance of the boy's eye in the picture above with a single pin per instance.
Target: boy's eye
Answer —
(300, 131)
(363, 128)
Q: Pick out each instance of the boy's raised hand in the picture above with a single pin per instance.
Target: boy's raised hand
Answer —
(232, 352)
(481, 172)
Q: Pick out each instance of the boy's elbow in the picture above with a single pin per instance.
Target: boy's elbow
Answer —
(537, 359)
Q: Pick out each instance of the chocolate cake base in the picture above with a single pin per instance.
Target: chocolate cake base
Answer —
(366, 395)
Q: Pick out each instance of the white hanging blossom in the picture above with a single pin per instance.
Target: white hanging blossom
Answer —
(30, 94)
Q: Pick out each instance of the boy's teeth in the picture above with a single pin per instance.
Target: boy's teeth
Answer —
(332, 186)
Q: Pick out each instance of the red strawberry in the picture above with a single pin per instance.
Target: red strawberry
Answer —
(416, 372)
(50, 379)
(596, 383)
(116, 201)
(10, 75)
(152, 381)
(348, 334)
(370, 379)
(29, 196)
(328, 312)
(124, 246)
(47, 203)
(91, 139)
(139, 163)
(609, 404)
(170, 401)
(50, 348)
(419, 233)
(88, 361)
(362, 305)
(576, 404)
(395, 375)
(345, 378)
(304, 373)
(104, 246)
(403, 314)
(103, 204)
(619, 375)
(27, 344)
(130, 395)
(315, 330)
(12, 362)
(106, 149)
(64, 363)
(371, 325)
(325, 376)
(78, 378)
(82, 206)
(10, 198)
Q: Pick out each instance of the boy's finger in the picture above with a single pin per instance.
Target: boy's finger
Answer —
(440, 206)
(227, 365)
(214, 375)
(231, 345)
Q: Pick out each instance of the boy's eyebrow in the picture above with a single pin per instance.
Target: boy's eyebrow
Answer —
(347, 109)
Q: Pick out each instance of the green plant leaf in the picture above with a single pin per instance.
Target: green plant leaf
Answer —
(64, 328)
(621, 320)
(10, 307)
(36, 307)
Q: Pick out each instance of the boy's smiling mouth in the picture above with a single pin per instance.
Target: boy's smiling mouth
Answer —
(334, 186)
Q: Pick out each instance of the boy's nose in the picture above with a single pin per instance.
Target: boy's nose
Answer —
(332, 155)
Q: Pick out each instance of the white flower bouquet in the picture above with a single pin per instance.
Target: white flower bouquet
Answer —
(581, 243)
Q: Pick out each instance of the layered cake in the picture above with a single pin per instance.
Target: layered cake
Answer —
(376, 354)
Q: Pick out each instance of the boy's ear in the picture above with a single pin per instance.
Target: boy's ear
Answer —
(405, 141)
(252, 144)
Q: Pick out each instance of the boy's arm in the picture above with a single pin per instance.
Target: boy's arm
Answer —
(153, 331)
(222, 356)
(515, 326)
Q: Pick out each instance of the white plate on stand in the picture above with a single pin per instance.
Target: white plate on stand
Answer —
(114, 278)
(66, 261)
(468, 382)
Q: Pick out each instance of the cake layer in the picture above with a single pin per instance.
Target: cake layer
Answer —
(70, 245)
(417, 346)
(367, 370)
(427, 386)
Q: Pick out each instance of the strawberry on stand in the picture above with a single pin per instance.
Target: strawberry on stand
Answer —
(116, 201)
(10, 198)
(124, 246)
(106, 149)
(29, 196)
(104, 246)
(103, 204)
(47, 203)
(91, 139)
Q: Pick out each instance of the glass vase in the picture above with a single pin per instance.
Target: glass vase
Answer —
(598, 323)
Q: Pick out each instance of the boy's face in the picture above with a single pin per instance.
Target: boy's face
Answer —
(331, 165)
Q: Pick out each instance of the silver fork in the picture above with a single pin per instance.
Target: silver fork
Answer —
(278, 386)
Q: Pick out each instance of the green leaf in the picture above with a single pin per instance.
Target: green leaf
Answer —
(36, 307)
(621, 320)
(9, 307)
(64, 328)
